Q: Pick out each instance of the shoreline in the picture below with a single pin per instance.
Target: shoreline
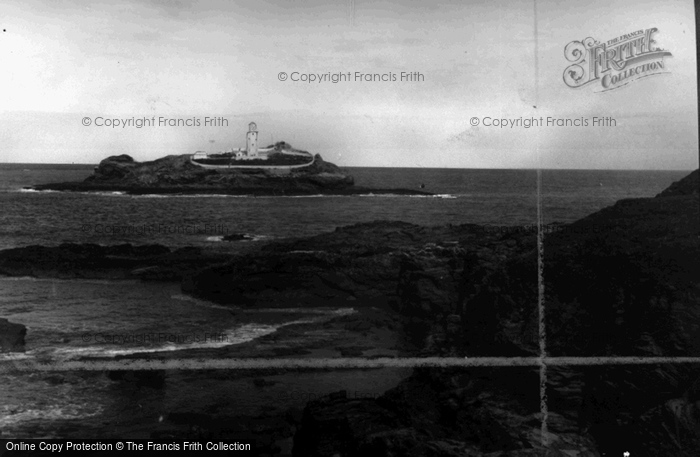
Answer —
(203, 190)
(252, 398)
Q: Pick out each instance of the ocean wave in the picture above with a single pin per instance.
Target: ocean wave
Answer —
(238, 309)
(8, 417)
(52, 191)
(70, 280)
(189, 196)
(324, 311)
(408, 195)
(250, 237)
(35, 191)
(158, 196)
(438, 196)
(9, 356)
(200, 302)
(230, 337)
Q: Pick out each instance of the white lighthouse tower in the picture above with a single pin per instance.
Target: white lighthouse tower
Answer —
(252, 140)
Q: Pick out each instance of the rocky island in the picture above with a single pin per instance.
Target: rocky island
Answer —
(278, 169)
(178, 174)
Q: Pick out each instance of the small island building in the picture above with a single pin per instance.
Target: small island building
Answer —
(252, 141)
(279, 156)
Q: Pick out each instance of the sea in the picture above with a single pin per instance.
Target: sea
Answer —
(68, 319)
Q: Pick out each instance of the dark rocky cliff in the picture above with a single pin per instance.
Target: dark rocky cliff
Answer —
(690, 185)
(621, 282)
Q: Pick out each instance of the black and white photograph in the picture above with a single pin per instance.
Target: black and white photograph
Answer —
(305, 228)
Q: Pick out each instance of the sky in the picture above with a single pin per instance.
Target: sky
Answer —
(65, 61)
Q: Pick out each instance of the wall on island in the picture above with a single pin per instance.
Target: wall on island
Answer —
(264, 167)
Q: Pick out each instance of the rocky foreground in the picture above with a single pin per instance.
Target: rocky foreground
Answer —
(620, 282)
(176, 174)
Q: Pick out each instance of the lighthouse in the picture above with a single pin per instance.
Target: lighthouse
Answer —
(252, 140)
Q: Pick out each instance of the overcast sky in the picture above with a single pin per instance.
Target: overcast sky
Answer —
(63, 61)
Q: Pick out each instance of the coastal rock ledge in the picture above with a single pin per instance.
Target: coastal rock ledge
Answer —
(177, 174)
(11, 336)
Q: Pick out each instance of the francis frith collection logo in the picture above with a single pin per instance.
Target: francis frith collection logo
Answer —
(614, 63)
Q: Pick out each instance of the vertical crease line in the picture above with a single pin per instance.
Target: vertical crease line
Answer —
(544, 411)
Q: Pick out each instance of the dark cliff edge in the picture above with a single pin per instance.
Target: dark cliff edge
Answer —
(620, 282)
(176, 174)
(690, 185)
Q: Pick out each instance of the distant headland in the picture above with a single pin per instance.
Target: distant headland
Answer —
(278, 169)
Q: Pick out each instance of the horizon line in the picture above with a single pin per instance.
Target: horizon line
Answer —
(408, 168)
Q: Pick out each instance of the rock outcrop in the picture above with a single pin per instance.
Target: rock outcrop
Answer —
(70, 260)
(12, 336)
(441, 412)
(414, 269)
